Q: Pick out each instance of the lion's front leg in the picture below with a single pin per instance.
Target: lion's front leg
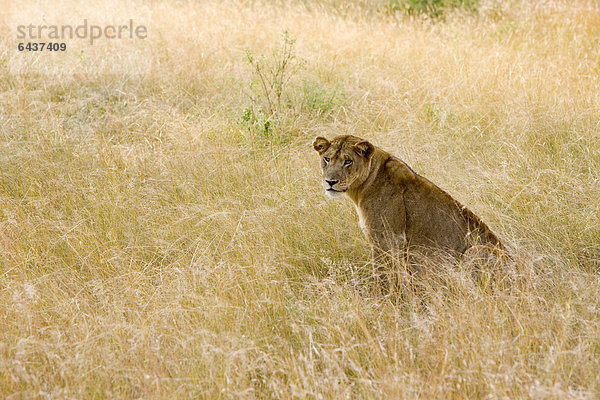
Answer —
(389, 257)
(382, 266)
(385, 227)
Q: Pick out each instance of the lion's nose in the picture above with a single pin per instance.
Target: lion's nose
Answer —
(331, 183)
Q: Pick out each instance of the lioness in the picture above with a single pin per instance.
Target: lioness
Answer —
(397, 208)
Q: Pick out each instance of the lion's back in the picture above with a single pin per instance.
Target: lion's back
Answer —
(435, 219)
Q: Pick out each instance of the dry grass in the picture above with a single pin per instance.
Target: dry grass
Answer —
(155, 245)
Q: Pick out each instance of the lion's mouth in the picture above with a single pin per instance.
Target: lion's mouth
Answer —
(331, 192)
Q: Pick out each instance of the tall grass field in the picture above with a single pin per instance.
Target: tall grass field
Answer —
(164, 233)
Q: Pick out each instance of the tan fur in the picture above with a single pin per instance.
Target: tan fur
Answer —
(397, 208)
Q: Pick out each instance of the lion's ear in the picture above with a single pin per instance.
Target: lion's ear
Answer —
(321, 144)
(364, 149)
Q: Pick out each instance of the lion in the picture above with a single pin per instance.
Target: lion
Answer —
(399, 211)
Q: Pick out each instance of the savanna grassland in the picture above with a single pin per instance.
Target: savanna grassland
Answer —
(163, 232)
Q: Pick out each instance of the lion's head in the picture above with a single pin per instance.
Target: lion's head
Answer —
(345, 162)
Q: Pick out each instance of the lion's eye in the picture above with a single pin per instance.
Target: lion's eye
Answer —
(326, 159)
(347, 162)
